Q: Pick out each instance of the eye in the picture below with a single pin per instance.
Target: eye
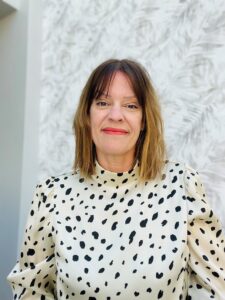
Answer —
(101, 103)
(132, 106)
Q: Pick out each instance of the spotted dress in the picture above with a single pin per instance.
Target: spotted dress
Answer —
(112, 237)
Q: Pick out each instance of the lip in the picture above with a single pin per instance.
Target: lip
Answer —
(115, 131)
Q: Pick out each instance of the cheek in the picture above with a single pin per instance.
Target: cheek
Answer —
(139, 123)
(94, 126)
(93, 121)
(96, 119)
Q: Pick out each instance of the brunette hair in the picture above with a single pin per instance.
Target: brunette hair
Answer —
(150, 148)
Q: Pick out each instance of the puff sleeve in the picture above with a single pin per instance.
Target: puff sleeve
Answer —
(34, 275)
(206, 244)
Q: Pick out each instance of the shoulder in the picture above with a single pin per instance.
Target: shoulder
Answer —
(180, 167)
(184, 172)
(173, 167)
(53, 181)
(190, 180)
(59, 183)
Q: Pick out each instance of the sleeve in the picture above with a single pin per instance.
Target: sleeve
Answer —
(34, 275)
(206, 244)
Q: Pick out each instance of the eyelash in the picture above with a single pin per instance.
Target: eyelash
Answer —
(132, 106)
(102, 103)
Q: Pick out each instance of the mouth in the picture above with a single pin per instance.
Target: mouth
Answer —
(115, 131)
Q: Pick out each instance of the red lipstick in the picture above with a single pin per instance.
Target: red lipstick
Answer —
(114, 131)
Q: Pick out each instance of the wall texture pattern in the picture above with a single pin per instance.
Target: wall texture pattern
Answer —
(181, 43)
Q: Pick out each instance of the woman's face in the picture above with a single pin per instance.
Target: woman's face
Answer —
(116, 120)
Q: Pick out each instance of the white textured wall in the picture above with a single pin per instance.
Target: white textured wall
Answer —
(181, 43)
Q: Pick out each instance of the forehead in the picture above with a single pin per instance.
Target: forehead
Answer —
(116, 82)
(120, 83)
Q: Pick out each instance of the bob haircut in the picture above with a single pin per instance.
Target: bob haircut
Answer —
(150, 147)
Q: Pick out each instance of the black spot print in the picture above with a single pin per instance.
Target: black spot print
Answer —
(151, 258)
(109, 247)
(171, 194)
(134, 231)
(178, 208)
(68, 228)
(155, 216)
(87, 257)
(101, 270)
(174, 179)
(163, 257)
(95, 234)
(91, 219)
(32, 282)
(159, 275)
(131, 237)
(164, 222)
(150, 195)
(173, 237)
(127, 221)
(215, 274)
(114, 196)
(161, 200)
(130, 202)
(68, 191)
(30, 252)
(218, 233)
(78, 218)
(75, 257)
(205, 257)
(160, 294)
(171, 265)
(135, 257)
(114, 225)
(176, 225)
(108, 206)
(143, 223)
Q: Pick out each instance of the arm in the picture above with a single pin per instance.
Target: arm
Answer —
(206, 244)
(34, 275)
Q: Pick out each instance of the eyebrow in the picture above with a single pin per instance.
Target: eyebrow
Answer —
(128, 97)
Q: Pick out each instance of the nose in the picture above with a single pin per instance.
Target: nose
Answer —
(115, 113)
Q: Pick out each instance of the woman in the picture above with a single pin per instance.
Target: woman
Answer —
(126, 224)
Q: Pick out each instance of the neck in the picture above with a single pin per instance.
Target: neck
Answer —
(116, 164)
